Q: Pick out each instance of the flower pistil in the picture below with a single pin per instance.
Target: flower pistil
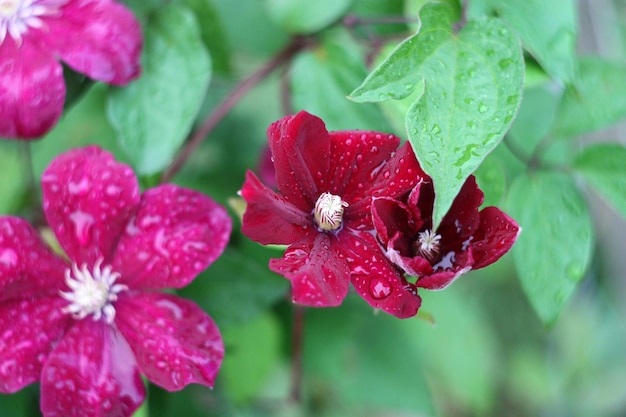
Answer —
(92, 293)
(16, 16)
(328, 212)
(427, 244)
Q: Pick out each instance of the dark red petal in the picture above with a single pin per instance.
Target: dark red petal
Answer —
(495, 236)
(393, 220)
(450, 266)
(356, 157)
(392, 179)
(462, 219)
(318, 273)
(91, 373)
(271, 218)
(301, 150)
(88, 199)
(175, 235)
(175, 342)
(28, 267)
(99, 38)
(29, 329)
(376, 279)
(265, 169)
(32, 91)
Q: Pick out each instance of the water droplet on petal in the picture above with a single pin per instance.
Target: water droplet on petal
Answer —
(379, 288)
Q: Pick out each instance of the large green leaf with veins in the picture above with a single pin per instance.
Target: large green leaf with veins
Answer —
(472, 89)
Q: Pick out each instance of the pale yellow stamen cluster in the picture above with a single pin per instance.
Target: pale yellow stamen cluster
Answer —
(328, 211)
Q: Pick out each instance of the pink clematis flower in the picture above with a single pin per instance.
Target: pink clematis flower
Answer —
(99, 38)
(466, 239)
(88, 326)
(326, 183)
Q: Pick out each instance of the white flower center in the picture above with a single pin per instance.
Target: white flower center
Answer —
(427, 245)
(92, 292)
(16, 16)
(328, 211)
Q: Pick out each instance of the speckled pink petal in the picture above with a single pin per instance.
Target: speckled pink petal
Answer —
(393, 178)
(29, 328)
(28, 267)
(318, 272)
(92, 372)
(495, 236)
(376, 279)
(88, 199)
(175, 342)
(99, 38)
(32, 91)
(175, 235)
(356, 161)
(270, 218)
(300, 147)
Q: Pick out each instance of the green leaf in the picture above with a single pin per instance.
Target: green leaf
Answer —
(320, 81)
(473, 84)
(598, 99)
(554, 249)
(548, 31)
(13, 182)
(154, 114)
(604, 168)
(213, 34)
(253, 352)
(306, 16)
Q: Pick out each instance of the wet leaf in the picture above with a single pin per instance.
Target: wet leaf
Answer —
(154, 114)
(554, 249)
(597, 100)
(604, 168)
(473, 84)
(305, 16)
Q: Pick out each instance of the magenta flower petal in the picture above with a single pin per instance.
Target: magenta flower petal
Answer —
(175, 234)
(88, 199)
(495, 236)
(99, 38)
(175, 342)
(32, 91)
(317, 270)
(28, 267)
(270, 217)
(300, 147)
(376, 279)
(91, 373)
(28, 329)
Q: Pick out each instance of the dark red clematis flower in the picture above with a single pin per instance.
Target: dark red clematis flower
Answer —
(99, 38)
(88, 326)
(326, 183)
(466, 238)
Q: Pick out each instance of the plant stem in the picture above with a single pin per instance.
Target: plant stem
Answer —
(516, 151)
(295, 392)
(213, 119)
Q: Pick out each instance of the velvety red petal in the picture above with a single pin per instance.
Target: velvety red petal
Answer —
(32, 91)
(88, 198)
(393, 220)
(300, 147)
(356, 161)
(449, 268)
(271, 218)
(318, 273)
(462, 219)
(91, 373)
(376, 279)
(29, 328)
(175, 235)
(28, 267)
(495, 236)
(175, 342)
(100, 38)
(393, 178)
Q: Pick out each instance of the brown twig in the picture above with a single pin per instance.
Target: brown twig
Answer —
(213, 119)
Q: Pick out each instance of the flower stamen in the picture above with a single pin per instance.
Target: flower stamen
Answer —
(92, 293)
(17, 16)
(328, 212)
(427, 244)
